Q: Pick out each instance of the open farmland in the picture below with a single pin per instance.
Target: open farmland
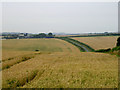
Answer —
(58, 64)
(12, 48)
(101, 42)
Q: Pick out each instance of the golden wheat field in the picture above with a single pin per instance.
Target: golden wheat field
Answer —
(57, 64)
(101, 42)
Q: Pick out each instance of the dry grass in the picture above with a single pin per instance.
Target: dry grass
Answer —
(6, 55)
(58, 68)
(12, 61)
(103, 42)
(64, 70)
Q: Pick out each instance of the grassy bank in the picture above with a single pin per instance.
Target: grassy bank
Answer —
(77, 43)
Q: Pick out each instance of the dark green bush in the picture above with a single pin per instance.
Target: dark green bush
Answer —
(36, 50)
(103, 50)
(116, 48)
(118, 41)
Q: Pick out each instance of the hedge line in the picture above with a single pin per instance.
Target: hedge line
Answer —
(95, 35)
(85, 45)
(81, 49)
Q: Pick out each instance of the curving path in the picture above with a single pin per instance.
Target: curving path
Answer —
(81, 46)
(86, 50)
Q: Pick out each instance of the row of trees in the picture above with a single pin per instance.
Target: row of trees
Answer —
(26, 35)
(43, 35)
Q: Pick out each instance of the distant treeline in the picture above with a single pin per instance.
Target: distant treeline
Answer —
(95, 35)
(114, 51)
(26, 35)
(43, 35)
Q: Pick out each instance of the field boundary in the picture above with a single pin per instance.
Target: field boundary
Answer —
(82, 47)
(94, 35)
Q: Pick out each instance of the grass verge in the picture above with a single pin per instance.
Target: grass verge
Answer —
(76, 43)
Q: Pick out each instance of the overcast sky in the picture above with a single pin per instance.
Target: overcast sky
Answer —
(68, 17)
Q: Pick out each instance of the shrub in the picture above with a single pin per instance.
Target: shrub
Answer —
(103, 50)
(36, 50)
(116, 48)
(7, 66)
(10, 58)
(118, 41)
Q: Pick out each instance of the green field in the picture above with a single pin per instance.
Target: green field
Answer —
(11, 48)
(57, 64)
(51, 45)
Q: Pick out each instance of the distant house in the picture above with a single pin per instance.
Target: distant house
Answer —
(18, 38)
(21, 35)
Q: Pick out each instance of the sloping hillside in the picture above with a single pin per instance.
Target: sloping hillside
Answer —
(96, 43)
